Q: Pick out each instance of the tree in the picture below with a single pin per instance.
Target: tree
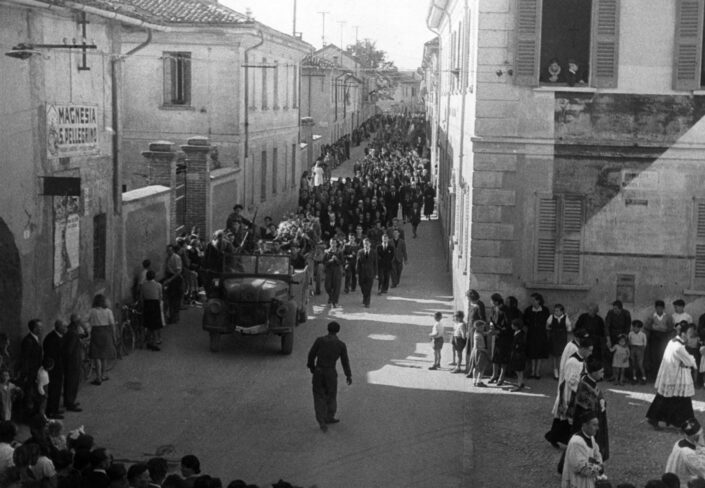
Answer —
(375, 63)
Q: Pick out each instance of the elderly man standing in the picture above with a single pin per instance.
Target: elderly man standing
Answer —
(53, 344)
(322, 357)
(71, 355)
(173, 282)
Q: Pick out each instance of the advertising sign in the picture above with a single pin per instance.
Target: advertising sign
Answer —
(72, 130)
(66, 238)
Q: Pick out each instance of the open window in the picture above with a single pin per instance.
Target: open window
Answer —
(688, 59)
(177, 78)
(551, 33)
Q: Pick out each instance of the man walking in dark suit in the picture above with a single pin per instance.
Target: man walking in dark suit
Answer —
(31, 356)
(400, 258)
(366, 270)
(53, 345)
(71, 357)
(385, 258)
(321, 362)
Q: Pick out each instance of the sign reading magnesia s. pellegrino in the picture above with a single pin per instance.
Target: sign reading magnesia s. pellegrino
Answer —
(72, 130)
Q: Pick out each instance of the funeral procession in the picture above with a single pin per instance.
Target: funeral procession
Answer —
(352, 244)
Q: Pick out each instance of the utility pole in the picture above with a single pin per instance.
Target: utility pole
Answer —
(293, 30)
(341, 23)
(323, 29)
(357, 28)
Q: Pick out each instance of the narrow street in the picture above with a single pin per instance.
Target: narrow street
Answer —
(247, 412)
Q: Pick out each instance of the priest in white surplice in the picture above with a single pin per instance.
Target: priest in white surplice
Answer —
(674, 383)
(583, 461)
(687, 459)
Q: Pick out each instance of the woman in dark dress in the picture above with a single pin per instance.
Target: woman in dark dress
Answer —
(151, 298)
(535, 318)
(558, 326)
(517, 360)
(502, 331)
(429, 195)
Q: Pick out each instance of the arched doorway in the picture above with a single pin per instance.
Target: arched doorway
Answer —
(10, 283)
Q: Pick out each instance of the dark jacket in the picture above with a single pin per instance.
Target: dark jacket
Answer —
(53, 343)
(366, 264)
(31, 355)
(385, 256)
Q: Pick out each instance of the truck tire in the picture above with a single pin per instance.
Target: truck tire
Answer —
(287, 343)
(215, 339)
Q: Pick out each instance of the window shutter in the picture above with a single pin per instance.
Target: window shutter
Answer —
(689, 35)
(605, 50)
(699, 265)
(571, 240)
(547, 227)
(168, 63)
(528, 41)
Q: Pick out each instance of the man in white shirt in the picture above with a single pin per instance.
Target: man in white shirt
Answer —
(317, 174)
(679, 314)
(437, 335)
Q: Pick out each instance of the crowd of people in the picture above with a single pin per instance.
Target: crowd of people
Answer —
(50, 458)
(502, 340)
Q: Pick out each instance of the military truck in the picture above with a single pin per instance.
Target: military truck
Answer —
(255, 295)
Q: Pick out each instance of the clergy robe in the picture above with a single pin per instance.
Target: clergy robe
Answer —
(686, 461)
(583, 462)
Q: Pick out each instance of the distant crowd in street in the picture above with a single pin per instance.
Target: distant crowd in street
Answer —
(669, 348)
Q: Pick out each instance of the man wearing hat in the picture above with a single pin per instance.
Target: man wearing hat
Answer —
(686, 461)
(322, 357)
(583, 460)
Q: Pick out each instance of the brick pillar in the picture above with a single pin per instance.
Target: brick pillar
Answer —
(198, 201)
(161, 170)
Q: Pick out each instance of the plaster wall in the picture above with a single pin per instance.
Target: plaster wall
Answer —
(53, 77)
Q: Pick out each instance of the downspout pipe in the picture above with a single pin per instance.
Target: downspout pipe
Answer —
(247, 111)
(115, 102)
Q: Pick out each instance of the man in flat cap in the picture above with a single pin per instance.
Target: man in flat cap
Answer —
(687, 459)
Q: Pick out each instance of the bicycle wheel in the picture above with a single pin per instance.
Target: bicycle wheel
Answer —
(128, 339)
(87, 370)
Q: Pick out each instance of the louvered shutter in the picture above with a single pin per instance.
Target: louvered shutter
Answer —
(571, 240)
(688, 48)
(528, 42)
(168, 63)
(605, 45)
(699, 267)
(547, 227)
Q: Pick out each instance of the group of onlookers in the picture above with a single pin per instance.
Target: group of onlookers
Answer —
(50, 458)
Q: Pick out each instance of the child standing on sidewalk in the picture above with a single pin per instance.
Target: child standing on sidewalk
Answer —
(620, 359)
(42, 384)
(637, 347)
(437, 339)
(479, 357)
(460, 339)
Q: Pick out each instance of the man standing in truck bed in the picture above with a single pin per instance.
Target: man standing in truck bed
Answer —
(321, 362)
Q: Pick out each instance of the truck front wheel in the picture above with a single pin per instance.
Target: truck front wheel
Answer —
(215, 339)
(287, 343)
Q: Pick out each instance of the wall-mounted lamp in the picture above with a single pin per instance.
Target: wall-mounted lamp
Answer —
(26, 50)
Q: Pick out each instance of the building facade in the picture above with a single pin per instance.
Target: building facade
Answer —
(224, 76)
(60, 224)
(571, 149)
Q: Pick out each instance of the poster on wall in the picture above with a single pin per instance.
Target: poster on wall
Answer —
(67, 211)
(72, 130)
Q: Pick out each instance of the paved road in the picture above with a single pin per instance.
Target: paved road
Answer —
(247, 412)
